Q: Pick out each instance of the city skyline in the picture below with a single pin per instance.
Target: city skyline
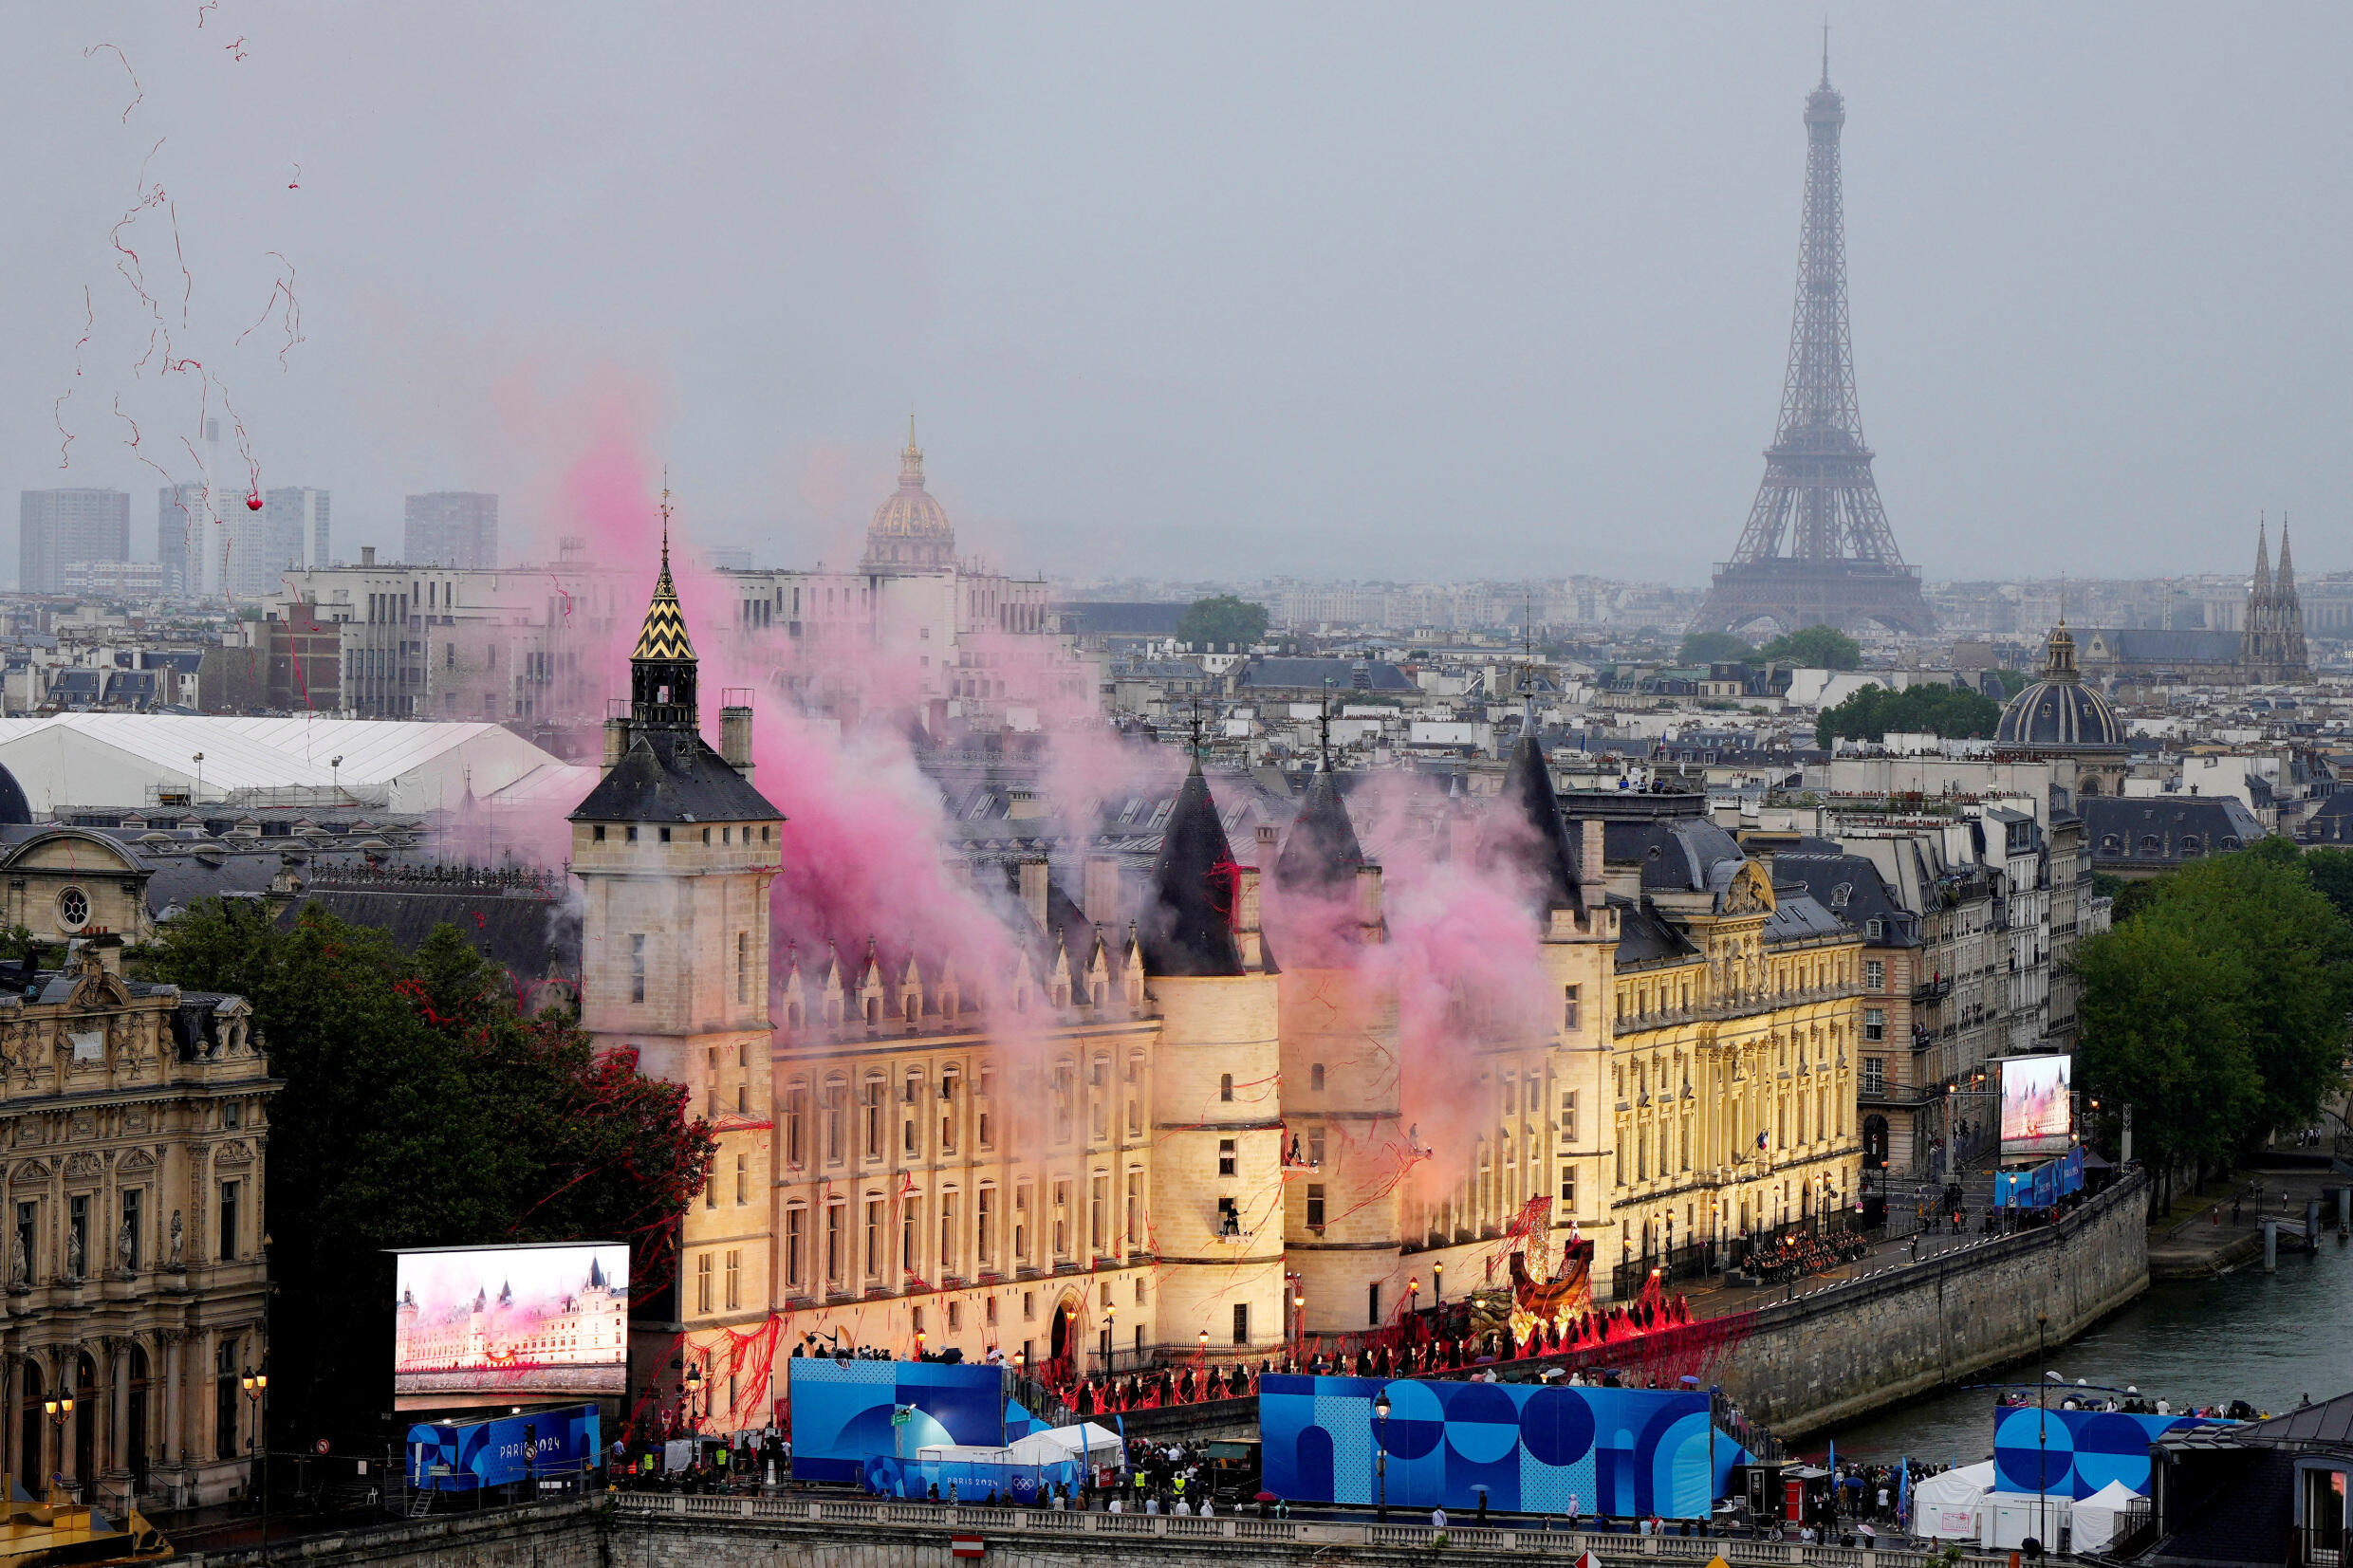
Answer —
(1522, 321)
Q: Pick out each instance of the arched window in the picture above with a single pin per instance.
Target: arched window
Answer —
(2149, 845)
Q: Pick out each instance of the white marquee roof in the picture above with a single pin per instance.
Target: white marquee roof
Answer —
(113, 759)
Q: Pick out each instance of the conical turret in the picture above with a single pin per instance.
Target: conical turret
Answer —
(1188, 928)
(1536, 834)
(1321, 855)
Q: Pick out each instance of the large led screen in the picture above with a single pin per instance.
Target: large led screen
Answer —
(512, 1321)
(2038, 1116)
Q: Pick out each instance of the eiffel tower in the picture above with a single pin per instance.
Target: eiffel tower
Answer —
(1817, 550)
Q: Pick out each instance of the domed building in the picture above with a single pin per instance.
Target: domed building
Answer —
(909, 528)
(2059, 716)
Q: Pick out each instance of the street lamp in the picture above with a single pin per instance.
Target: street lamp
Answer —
(2042, 1425)
(1437, 1283)
(59, 1409)
(693, 1387)
(256, 1387)
(1381, 1454)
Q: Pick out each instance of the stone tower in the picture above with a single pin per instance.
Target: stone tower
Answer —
(1217, 1176)
(1345, 1144)
(1572, 1121)
(675, 850)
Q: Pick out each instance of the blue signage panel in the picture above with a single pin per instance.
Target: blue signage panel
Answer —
(1529, 1447)
(2075, 1452)
(841, 1411)
(464, 1456)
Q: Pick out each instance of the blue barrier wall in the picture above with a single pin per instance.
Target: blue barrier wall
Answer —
(462, 1456)
(2081, 1450)
(1532, 1448)
(842, 1412)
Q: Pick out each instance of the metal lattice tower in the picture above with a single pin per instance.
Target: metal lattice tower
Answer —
(1817, 548)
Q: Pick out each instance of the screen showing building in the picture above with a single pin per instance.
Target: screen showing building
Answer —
(512, 1321)
(2038, 1116)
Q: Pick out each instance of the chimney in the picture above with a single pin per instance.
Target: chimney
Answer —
(1033, 889)
(616, 742)
(1266, 846)
(1369, 898)
(1101, 889)
(367, 554)
(736, 739)
(1592, 864)
(1247, 935)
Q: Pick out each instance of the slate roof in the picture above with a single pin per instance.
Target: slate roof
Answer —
(1187, 927)
(674, 775)
(2117, 826)
(1643, 937)
(533, 938)
(1113, 618)
(1310, 674)
(1850, 886)
(2153, 645)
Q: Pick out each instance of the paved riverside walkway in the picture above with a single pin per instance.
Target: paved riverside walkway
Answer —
(2226, 1231)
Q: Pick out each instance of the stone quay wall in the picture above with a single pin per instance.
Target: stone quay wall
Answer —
(570, 1534)
(1902, 1330)
(636, 1531)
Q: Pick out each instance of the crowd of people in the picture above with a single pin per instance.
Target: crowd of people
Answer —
(1393, 1354)
(698, 1465)
(2080, 1395)
(1795, 1257)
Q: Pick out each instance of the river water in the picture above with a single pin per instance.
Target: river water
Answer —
(2269, 1339)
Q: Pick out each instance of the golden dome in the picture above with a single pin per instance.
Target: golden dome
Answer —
(909, 528)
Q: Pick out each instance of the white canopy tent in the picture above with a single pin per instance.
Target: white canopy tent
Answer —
(1086, 1442)
(2099, 1517)
(1944, 1507)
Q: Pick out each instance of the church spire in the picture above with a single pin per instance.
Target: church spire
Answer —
(662, 666)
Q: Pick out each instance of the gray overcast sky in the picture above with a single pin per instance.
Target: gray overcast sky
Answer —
(1350, 291)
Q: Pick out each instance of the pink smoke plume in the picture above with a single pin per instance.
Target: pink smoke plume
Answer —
(1464, 957)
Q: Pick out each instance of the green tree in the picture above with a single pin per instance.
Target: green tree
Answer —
(2269, 980)
(1871, 712)
(1224, 618)
(1714, 648)
(419, 1108)
(1815, 648)
(2331, 871)
(2164, 1030)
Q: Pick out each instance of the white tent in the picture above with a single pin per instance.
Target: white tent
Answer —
(1088, 1443)
(2100, 1516)
(1945, 1507)
(131, 759)
(2005, 1519)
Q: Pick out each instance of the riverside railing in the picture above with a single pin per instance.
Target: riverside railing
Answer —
(931, 1519)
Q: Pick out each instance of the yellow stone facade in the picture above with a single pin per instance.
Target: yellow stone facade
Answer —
(1749, 1033)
